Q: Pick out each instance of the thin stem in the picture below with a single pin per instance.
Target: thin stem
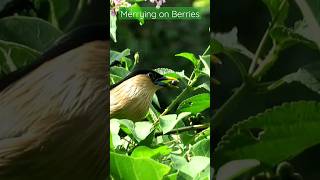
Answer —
(184, 129)
(76, 15)
(239, 65)
(206, 51)
(265, 38)
(259, 50)
(175, 102)
(268, 62)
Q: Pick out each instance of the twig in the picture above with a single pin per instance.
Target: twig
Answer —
(183, 129)
(265, 38)
(258, 52)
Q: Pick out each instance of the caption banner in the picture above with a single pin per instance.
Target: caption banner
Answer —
(163, 13)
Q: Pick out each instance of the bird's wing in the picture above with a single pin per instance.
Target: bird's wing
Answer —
(52, 123)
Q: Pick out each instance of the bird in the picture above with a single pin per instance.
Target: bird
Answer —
(53, 118)
(131, 97)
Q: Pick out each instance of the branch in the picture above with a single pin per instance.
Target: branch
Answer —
(265, 38)
(183, 129)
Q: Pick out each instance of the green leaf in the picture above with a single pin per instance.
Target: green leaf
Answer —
(177, 161)
(172, 176)
(310, 10)
(274, 8)
(191, 57)
(15, 56)
(291, 128)
(205, 86)
(119, 71)
(168, 122)
(117, 56)
(287, 37)
(132, 168)
(36, 33)
(112, 147)
(203, 175)
(114, 78)
(216, 46)
(229, 40)
(127, 126)
(61, 14)
(114, 130)
(201, 4)
(113, 27)
(235, 169)
(206, 63)
(58, 10)
(201, 148)
(139, 130)
(171, 73)
(155, 100)
(205, 134)
(153, 114)
(308, 75)
(142, 129)
(196, 165)
(143, 151)
(195, 104)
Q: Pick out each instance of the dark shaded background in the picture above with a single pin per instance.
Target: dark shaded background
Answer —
(158, 41)
(251, 17)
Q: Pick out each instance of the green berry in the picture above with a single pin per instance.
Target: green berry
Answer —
(284, 170)
(296, 176)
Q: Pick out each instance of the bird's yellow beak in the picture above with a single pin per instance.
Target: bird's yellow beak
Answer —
(167, 81)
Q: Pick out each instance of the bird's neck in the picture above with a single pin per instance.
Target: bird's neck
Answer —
(132, 98)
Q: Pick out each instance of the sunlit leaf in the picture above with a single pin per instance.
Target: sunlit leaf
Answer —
(117, 56)
(136, 168)
(196, 165)
(168, 122)
(191, 57)
(171, 73)
(201, 148)
(195, 104)
(143, 151)
(206, 63)
(119, 71)
(114, 130)
(142, 129)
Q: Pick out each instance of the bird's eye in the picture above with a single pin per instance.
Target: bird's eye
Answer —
(150, 75)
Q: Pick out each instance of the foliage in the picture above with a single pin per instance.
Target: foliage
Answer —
(30, 32)
(173, 142)
(181, 153)
(251, 142)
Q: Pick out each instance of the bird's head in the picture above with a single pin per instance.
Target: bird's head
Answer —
(131, 97)
(149, 78)
(161, 80)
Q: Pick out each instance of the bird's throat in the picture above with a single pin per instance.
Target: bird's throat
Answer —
(131, 100)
